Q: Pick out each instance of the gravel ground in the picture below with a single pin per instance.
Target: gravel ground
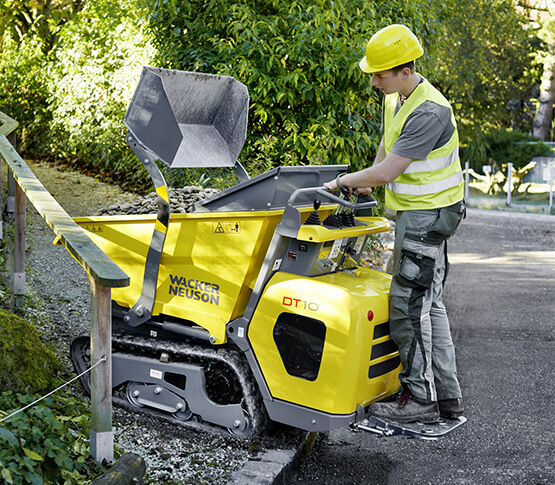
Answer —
(58, 302)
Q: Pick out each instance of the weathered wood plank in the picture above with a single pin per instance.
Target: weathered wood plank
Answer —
(99, 266)
(103, 275)
(7, 124)
(129, 469)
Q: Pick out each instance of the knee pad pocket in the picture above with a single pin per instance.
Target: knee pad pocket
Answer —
(418, 260)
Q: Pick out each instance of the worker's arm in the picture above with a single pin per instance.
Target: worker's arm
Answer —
(379, 158)
(380, 155)
(382, 172)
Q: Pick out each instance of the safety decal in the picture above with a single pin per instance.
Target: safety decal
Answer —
(336, 248)
(226, 227)
(156, 374)
(93, 228)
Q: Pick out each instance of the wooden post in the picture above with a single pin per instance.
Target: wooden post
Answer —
(19, 236)
(509, 183)
(551, 174)
(102, 436)
(9, 185)
(466, 179)
(128, 470)
(10, 199)
(103, 275)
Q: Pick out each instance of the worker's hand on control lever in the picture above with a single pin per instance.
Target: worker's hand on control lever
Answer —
(331, 185)
(364, 191)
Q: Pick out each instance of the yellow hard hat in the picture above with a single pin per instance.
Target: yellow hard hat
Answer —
(390, 47)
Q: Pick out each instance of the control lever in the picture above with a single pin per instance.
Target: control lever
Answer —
(314, 218)
(343, 216)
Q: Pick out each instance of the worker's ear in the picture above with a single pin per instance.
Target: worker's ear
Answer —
(405, 73)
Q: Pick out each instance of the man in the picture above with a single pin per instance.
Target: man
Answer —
(418, 162)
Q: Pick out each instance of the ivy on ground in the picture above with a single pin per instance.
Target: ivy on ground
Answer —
(47, 443)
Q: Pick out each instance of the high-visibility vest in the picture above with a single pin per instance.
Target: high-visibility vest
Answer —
(436, 181)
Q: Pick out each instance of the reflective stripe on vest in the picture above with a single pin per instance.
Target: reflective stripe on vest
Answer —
(431, 164)
(426, 189)
(436, 181)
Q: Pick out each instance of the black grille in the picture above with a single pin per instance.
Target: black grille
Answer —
(383, 367)
(300, 342)
(384, 348)
(381, 330)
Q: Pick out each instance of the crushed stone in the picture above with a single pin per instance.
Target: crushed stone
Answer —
(182, 200)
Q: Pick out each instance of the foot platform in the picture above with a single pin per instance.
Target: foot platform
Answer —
(421, 431)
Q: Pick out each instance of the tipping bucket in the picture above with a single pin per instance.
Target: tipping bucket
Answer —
(189, 119)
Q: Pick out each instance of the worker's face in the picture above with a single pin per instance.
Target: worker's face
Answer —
(388, 82)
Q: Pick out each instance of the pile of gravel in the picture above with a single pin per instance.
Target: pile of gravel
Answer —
(182, 200)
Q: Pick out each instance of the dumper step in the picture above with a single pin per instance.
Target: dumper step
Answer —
(378, 426)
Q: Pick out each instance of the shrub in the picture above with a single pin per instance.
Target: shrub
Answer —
(24, 95)
(504, 146)
(94, 71)
(45, 444)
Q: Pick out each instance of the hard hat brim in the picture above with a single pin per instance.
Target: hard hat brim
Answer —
(364, 65)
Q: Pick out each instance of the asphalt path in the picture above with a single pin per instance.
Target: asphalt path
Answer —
(500, 297)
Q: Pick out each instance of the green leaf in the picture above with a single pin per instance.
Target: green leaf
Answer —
(31, 454)
(6, 475)
(33, 479)
(7, 435)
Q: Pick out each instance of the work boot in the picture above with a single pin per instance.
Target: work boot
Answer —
(407, 409)
(450, 408)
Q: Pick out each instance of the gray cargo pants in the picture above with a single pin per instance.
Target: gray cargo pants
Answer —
(418, 319)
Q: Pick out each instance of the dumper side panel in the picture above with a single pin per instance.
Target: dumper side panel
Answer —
(324, 342)
(207, 265)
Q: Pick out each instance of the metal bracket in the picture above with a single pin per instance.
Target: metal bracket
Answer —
(10, 206)
(142, 310)
(19, 284)
(240, 171)
(102, 446)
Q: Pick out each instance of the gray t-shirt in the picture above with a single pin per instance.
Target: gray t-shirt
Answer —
(428, 127)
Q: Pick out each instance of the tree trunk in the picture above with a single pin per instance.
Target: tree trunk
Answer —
(544, 116)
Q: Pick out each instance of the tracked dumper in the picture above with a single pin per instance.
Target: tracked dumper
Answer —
(254, 307)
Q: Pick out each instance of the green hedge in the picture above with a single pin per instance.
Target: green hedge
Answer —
(310, 103)
(92, 76)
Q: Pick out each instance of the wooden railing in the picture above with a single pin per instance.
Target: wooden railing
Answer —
(104, 274)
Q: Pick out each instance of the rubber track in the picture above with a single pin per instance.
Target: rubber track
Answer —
(181, 352)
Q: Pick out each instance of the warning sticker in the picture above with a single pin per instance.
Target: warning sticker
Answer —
(156, 374)
(226, 227)
(336, 248)
(93, 228)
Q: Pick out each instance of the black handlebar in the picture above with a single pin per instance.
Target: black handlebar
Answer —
(324, 192)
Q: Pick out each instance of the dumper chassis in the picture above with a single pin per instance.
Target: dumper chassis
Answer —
(256, 307)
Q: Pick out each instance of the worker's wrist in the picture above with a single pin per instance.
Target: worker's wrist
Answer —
(338, 182)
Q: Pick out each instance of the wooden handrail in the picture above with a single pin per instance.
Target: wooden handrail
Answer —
(97, 264)
(8, 125)
(104, 275)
